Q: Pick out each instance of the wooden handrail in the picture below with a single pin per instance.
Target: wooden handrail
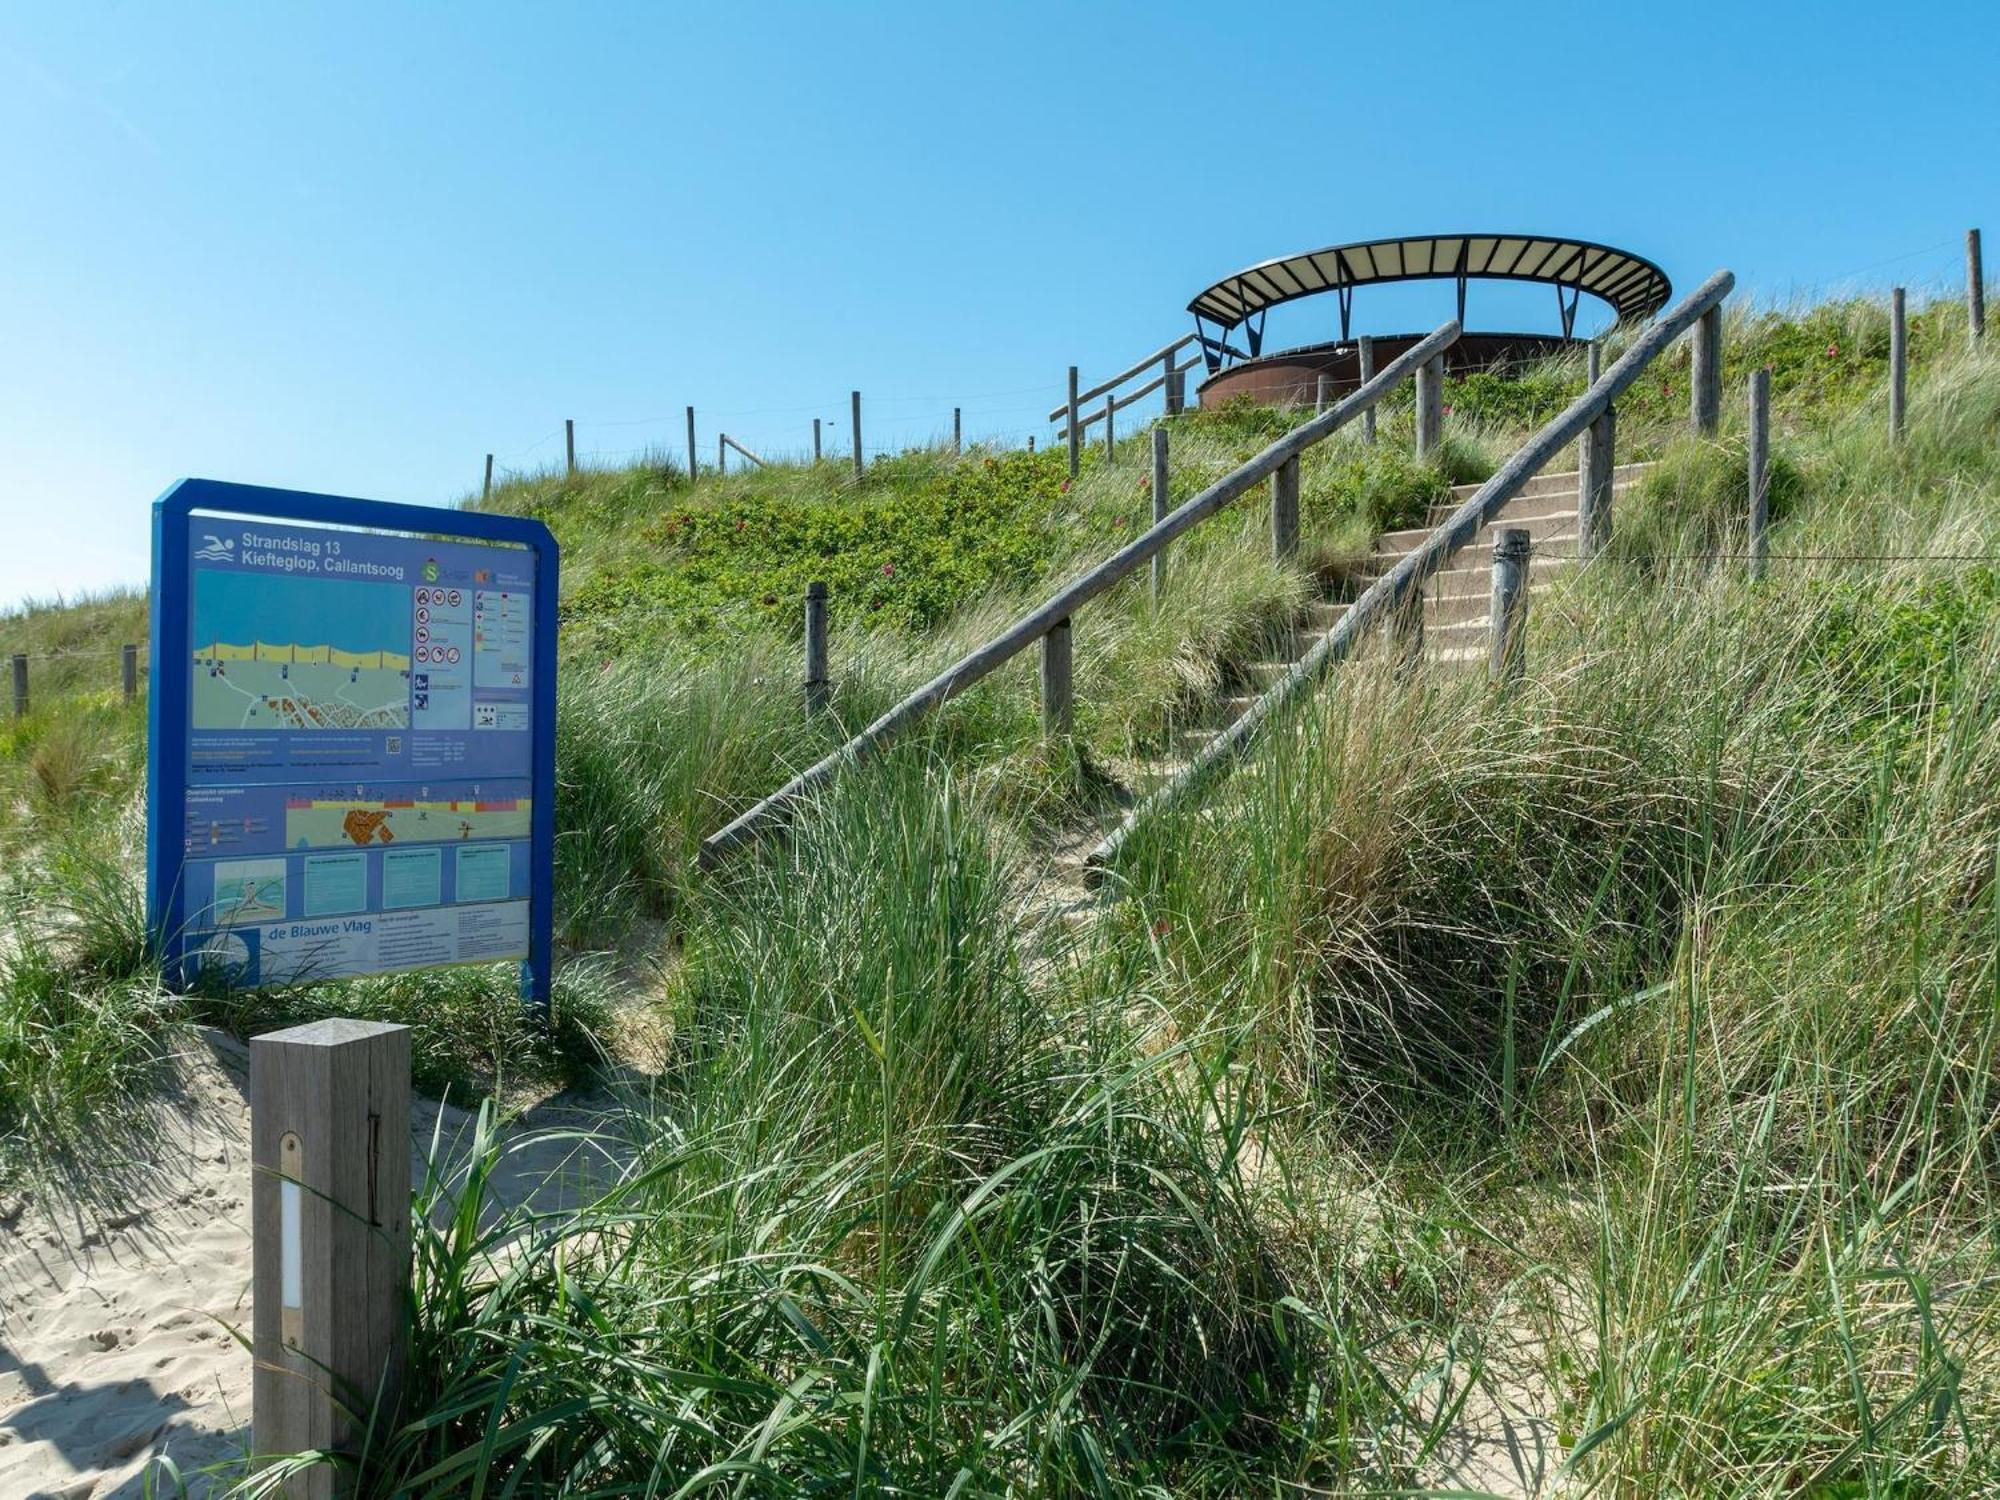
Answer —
(1124, 375)
(1387, 592)
(1037, 623)
(1118, 403)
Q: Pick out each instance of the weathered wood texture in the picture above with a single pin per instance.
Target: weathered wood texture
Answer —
(1899, 363)
(957, 433)
(1162, 356)
(1592, 362)
(815, 439)
(486, 486)
(341, 1088)
(1975, 285)
(1320, 388)
(1596, 460)
(725, 440)
(1058, 691)
(1705, 372)
(1110, 433)
(1130, 398)
(20, 685)
(1160, 486)
(1507, 613)
(569, 445)
(854, 412)
(1760, 468)
(691, 452)
(817, 680)
(1032, 626)
(128, 670)
(1071, 430)
(1417, 565)
(1285, 511)
(1430, 407)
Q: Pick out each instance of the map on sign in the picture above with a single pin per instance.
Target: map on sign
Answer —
(358, 727)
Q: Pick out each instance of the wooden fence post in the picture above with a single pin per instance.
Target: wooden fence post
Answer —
(1159, 507)
(1176, 389)
(1167, 383)
(20, 685)
(1899, 364)
(1430, 405)
(691, 464)
(957, 434)
(1592, 364)
(854, 405)
(1031, 442)
(569, 445)
(1056, 696)
(722, 453)
(1075, 432)
(1975, 286)
(486, 489)
(1110, 416)
(1319, 393)
(330, 1222)
(1596, 462)
(816, 673)
(128, 670)
(1509, 611)
(815, 439)
(1705, 372)
(1760, 467)
(1285, 511)
(1365, 352)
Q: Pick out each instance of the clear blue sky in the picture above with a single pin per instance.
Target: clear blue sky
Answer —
(353, 247)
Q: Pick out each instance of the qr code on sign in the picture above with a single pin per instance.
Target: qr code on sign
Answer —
(393, 745)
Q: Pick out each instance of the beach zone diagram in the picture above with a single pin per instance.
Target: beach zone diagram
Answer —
(337, 822)
(292, 654)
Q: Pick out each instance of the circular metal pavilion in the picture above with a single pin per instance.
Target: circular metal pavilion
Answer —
(1631, 286)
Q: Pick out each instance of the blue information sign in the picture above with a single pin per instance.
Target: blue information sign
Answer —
(352, 736)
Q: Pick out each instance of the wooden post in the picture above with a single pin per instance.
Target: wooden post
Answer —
(1975, 286)
(1176, 389)
(1509, 612)
(20, 685)
(816, 676)
(854, 408)
(1110, 416)
(1056, 700)
(128, 670)
(1760, 467)
(1365, 352)
(1705, 372)
(957, 434)
(330, 1224)
(1031, 442)
(1285, 511)
(1899, 364)
(1596, 461)
(815, 439)
(1168, 399)
(1430, 405)
(1592, 364)
(1075, 432)
(569, 445)
(1319, 393)
(691, 467)
(722, 453)
(1159, 507)
(486, 489)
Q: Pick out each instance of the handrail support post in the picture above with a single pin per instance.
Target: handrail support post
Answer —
(1509, 611)
(1597, 449)
(1057, 701)
(1705, 371)
(1285, 511)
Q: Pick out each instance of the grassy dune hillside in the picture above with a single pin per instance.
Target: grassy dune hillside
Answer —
(1598, 1076)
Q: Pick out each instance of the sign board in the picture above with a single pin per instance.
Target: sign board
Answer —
(351, 766)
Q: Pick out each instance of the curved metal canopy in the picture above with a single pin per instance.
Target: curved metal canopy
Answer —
(1633, 286)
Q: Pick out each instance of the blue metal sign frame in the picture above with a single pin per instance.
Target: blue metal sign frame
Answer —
(171, 650)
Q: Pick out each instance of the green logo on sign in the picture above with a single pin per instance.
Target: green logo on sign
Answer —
(431, 571)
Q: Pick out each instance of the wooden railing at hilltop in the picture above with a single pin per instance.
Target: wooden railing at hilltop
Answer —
(1076, 421)
(1049, 623)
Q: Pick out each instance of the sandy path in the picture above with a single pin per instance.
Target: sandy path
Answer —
(113, 1347)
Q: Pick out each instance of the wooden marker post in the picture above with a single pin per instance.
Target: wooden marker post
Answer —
(1110, 415)
(1596, 463)
(569, 446)
(330, 1221)
(721, 453)
(1285, 511)
(486, 489)
(1592, 364)
(128, 670)
(20, 685)
(691, 464)
(816, 675)
(1176, 389)
(1365, 353)
(815, 439)
(854, 411)
(1160, 477)
(1430, 406)
(957, 434)
(1319, 393)
(1899, 364)
(1509, 612)
(1975, 286)
(1705, 373)
(1075, 431)
(1760, 468)
(1056, 696)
